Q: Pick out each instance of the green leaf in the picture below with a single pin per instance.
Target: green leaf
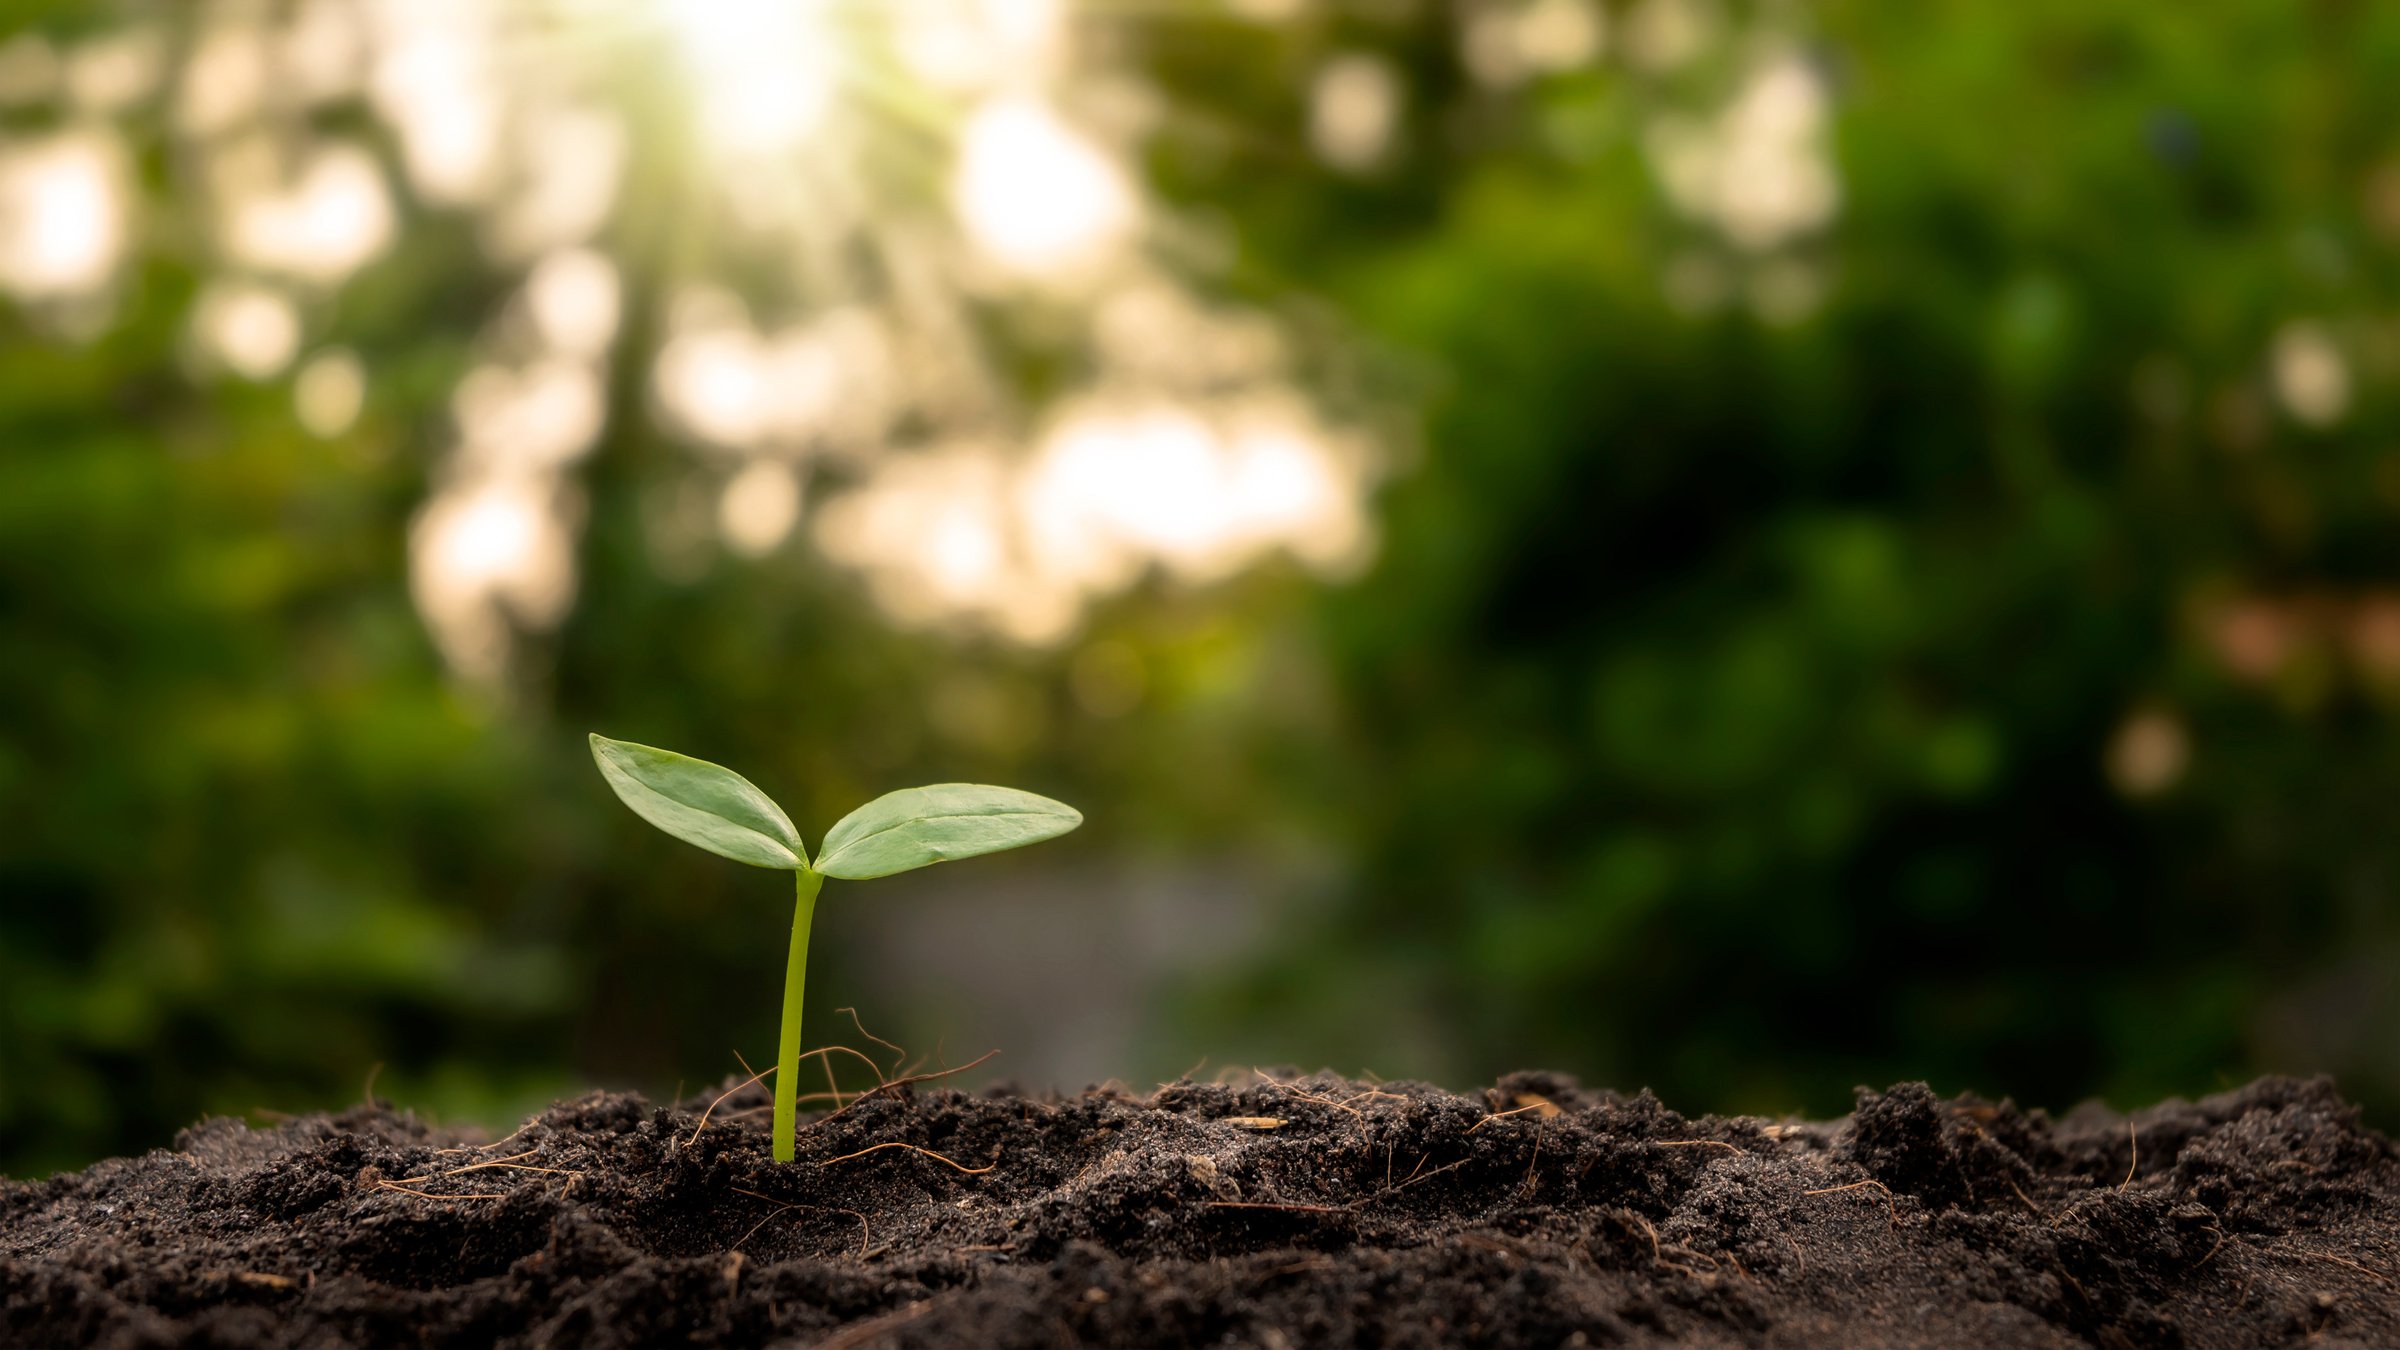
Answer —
(700, 803)
(916, 827)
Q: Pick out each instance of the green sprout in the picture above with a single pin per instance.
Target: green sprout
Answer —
(719, 810)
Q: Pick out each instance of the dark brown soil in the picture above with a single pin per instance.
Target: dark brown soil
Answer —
(1277, 1213)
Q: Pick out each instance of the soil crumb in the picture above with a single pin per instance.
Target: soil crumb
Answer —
(1275, 1211)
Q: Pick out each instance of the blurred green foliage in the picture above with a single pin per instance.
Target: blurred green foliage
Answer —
(1728, 713)
(1729, 709)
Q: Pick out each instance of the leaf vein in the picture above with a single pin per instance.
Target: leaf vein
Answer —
(846, 845)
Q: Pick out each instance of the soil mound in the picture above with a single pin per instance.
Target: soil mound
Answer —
(1281, 1212)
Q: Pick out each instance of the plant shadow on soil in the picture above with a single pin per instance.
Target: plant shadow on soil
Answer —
(1280, 1211)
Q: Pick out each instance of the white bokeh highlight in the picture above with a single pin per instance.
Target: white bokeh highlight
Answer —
(819, 336)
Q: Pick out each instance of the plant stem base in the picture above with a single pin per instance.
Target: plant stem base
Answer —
(795, 986)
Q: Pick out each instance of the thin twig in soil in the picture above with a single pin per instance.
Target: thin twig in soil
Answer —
(898, 1055)
(1696, 1254)
(493, 1162)
(872, 1067)
(2021, 1195)
(2368, 1271)
(1547, 1107)
(881, 1088)
(1858, 1185)
(510, 1162)
(1629, 1218)
(757, 1226)
(831, 1086)
(469, 1167)
(782, 1205)
(1358, 1119)
(1415, 1179)
(2133, 1145)
(712, 1106)
(520, 1167)
(1307, 1096)
(1270, 1204)
(530, 1122)
(1693, 1143)
(428, 1195)
(836, 1089)
(800, 1098)
(921, 1061)
(871, 1148)
(1503, 1115)
(1344, 1104)
(1372, 1094)
(1541, 1125)
(1365, 1136)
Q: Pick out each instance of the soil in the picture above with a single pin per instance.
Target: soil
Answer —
(1277, 1212)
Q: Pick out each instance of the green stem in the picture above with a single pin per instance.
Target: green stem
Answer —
(795, 983)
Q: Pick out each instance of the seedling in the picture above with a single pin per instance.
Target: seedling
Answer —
(719, 810)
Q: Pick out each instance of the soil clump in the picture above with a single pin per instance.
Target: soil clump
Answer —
(1278, 1211)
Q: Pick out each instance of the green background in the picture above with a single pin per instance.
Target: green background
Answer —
(1727, 708)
